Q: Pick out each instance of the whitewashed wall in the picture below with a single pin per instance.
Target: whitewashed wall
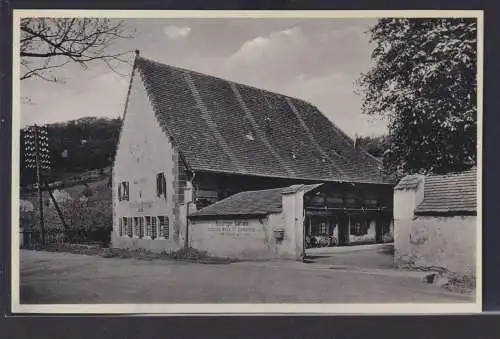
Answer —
(253, 238)
(432, 241)
(448, 242)
(143, 151)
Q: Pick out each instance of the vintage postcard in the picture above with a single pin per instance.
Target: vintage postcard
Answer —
(247, 162)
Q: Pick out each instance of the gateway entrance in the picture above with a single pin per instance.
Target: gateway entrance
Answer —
(341, 215)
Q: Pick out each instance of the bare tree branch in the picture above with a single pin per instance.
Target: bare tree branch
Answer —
(60, 41)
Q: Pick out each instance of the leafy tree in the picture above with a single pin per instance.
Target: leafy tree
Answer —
(50, 43)
(423, 81)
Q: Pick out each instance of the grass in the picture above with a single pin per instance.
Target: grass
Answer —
(184, 254)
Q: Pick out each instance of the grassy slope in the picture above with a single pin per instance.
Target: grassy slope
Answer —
(100, 198)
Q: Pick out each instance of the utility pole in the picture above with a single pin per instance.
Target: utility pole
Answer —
(37, 157)
(39, 180)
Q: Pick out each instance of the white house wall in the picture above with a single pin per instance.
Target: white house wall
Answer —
(144, 151)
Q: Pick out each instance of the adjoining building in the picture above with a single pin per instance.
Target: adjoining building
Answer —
(189, 140)
(435, 222)
(281, 222)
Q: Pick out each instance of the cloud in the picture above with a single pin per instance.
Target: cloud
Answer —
(174, 32)
(269, 47)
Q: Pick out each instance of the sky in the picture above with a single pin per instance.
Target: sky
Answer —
(317, 60)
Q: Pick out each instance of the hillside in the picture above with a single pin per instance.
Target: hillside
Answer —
(75, 147)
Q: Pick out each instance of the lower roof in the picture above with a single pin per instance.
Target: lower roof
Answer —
(251, 203)
(454, 193)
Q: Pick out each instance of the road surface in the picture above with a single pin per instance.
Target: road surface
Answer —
(64, 278)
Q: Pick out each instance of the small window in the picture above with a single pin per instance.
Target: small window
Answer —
(161, 185)
(141, 227)
(136, 226)
(148, 226)
(120, 226)
(322, 228)
(359, 226)
(164, 227)
(128, 226)
(153, 228)
(123, 191)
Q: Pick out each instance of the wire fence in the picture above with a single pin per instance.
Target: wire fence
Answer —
(32, 238)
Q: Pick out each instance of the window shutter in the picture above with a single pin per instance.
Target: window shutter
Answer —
(120, 192)
(164, 185)
(158, 185)
(125, 188)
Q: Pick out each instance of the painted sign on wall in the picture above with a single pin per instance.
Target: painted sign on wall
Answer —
(236, 228)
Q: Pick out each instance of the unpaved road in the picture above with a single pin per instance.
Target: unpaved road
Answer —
(63, 278)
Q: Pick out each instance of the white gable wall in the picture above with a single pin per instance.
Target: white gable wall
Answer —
(144, 151)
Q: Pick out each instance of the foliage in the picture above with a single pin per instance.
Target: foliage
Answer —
(88, 219)
(76, 146)
(50, 43)
(87, 192)
(423, 81)
(376, 146)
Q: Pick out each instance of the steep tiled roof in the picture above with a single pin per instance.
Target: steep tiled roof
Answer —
(245, 203)
(409, 182)
(222, 126)
(452, 193)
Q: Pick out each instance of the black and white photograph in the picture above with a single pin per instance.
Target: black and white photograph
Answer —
(247, 162)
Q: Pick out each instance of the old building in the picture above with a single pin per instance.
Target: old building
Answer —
(282, 222)
(189, 140)
(436, 222)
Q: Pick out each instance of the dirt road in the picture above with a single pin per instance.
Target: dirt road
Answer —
(70, 278)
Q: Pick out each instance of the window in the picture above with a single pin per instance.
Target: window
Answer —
(120, 226)
(153, 228)
(141, 227)
(161, 185)
(128, 226)
(136, 226)
(164, 227)
(123, 191)
(359, 226)
(148, 226)
(322, 228)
